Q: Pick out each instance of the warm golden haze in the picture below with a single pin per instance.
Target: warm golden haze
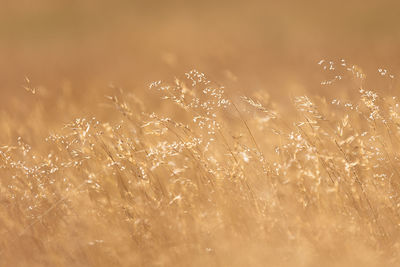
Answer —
(187, 133)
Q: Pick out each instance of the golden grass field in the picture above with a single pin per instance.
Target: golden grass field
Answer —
(199, 133)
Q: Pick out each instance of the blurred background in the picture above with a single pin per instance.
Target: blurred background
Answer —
(75, 49)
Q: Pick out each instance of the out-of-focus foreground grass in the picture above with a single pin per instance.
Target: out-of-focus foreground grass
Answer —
(107, 159)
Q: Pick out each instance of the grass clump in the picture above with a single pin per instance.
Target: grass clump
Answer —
(210, 179)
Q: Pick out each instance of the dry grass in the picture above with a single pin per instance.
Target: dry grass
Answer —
(210, 179)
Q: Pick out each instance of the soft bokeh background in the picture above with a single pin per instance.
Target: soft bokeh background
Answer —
(78, 48)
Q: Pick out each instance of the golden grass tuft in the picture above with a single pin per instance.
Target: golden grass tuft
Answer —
(210, 179)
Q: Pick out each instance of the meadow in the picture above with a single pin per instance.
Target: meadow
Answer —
(206, 134)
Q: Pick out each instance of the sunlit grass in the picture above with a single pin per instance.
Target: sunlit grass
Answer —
(216, 180)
